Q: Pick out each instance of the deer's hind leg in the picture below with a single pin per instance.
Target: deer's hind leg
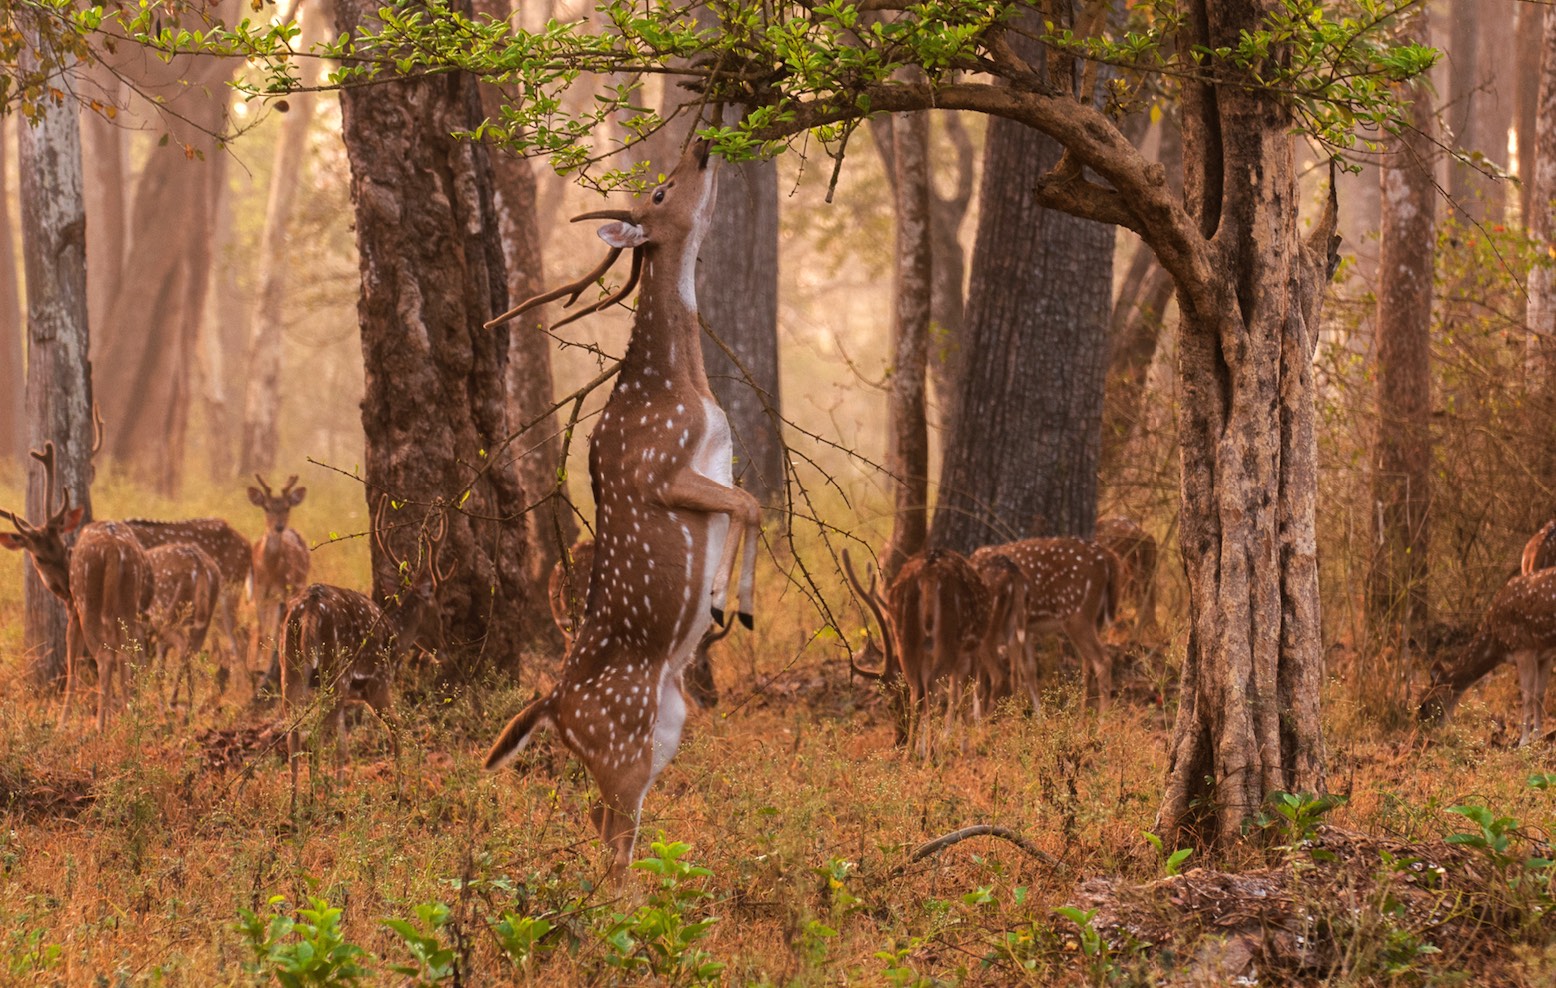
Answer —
(1534, 674)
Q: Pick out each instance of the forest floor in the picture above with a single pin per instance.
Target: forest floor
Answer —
(777, 848)
(134, 857)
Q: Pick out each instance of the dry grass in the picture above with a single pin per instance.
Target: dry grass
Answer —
(128, 857)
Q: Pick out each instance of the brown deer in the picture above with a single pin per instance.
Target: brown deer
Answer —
(1540, 550)
(1520, 625)
(342, 644)
(280, 564)
(188, 587)
(1072, 586)
(104, 581)
(668, 520)
(1136, 549)
(934, 618)
(569, 589)
(234, 557)
(1004, 655)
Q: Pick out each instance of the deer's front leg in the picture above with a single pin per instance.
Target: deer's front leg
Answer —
(691, 491)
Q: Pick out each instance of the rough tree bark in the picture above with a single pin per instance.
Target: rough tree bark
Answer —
(145, 352)
(907, 430)
(1531, 36)
(435, 405)
(261, 430)
(553, 526)
(13, 416)
(1022, 456)
(59, 387)
(1463, 51)
(103, 155)
(1402, 473)
(1541, 316)
(737, 291)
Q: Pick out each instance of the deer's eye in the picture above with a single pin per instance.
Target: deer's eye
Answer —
(659, 196)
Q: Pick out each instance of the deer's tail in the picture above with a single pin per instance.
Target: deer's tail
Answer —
(517, 734)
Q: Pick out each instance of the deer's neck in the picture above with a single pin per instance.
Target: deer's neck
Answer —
(667, 335)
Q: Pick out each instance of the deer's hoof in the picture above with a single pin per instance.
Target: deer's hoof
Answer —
(745, 619)
(718, 616)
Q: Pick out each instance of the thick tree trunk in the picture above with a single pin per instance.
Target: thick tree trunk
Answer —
(435, 405)
(1248, 721)
(145, 355)
(907, 430)
(261, 432)
(13, 416)
(1023, 455)
(1402, 474)
(59, 387)
(737, 292)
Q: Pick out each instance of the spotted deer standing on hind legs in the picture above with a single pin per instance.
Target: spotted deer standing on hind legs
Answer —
(660, 462)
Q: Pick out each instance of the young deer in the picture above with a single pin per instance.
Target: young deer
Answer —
(1540, 550)
(104, 581)
(1072, 586)
(660, 461)
(934, 617)
(1520, 625)
(188, 587)
(234, 557)
(280, 563)
(1136, 550)
(340, 643)
(569, 589)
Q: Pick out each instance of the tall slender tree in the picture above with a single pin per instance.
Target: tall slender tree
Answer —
(1402, 473)
(13, 419)
(59, 386)
(1542, 228)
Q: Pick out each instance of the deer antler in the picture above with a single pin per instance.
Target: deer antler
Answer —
(264, 486)
(878, 608)
(47, 459)
(573, 289)
(632, 282)
(289, 482)
(97, 429)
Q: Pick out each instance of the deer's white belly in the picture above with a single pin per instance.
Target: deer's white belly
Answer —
(714, 459)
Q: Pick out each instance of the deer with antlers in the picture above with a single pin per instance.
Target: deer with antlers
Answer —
(188, 587)
(280, 563)
(104, 581)
(342, 644)
(668, 520)
(1520, 625)
(934, 618)
(568, 589)
(1072, 586)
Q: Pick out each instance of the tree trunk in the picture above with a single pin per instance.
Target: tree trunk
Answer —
(13, 421)
(1023, 454)
(737, 292)
(1463, 52)
(907, 431)
(261, 432)
(221, 372)
(435, 405)
(1248, 720)
(1541, 318)
(145, 353)
(1402, 475)
(1531, 36)
(103, 154)
(59, 387)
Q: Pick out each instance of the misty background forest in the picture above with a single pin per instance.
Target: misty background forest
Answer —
(1148, 402)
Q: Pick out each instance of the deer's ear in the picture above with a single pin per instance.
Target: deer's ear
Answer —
(11, 540)
(297, 496)
(256, 497)
(73, 519)
(623, 234)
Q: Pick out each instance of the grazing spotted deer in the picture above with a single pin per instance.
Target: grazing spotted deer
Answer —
(1004, 655)
(1540, 550)
(569, 589)
(1520, 625)
(1072, 586)
(343, 645)
(104, 580)
(280, 564)
(234, 557)
(188, 588)
(1136, 550)
(668, 521)
(934, 618)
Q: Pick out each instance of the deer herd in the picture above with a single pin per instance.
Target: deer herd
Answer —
(641, 604)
